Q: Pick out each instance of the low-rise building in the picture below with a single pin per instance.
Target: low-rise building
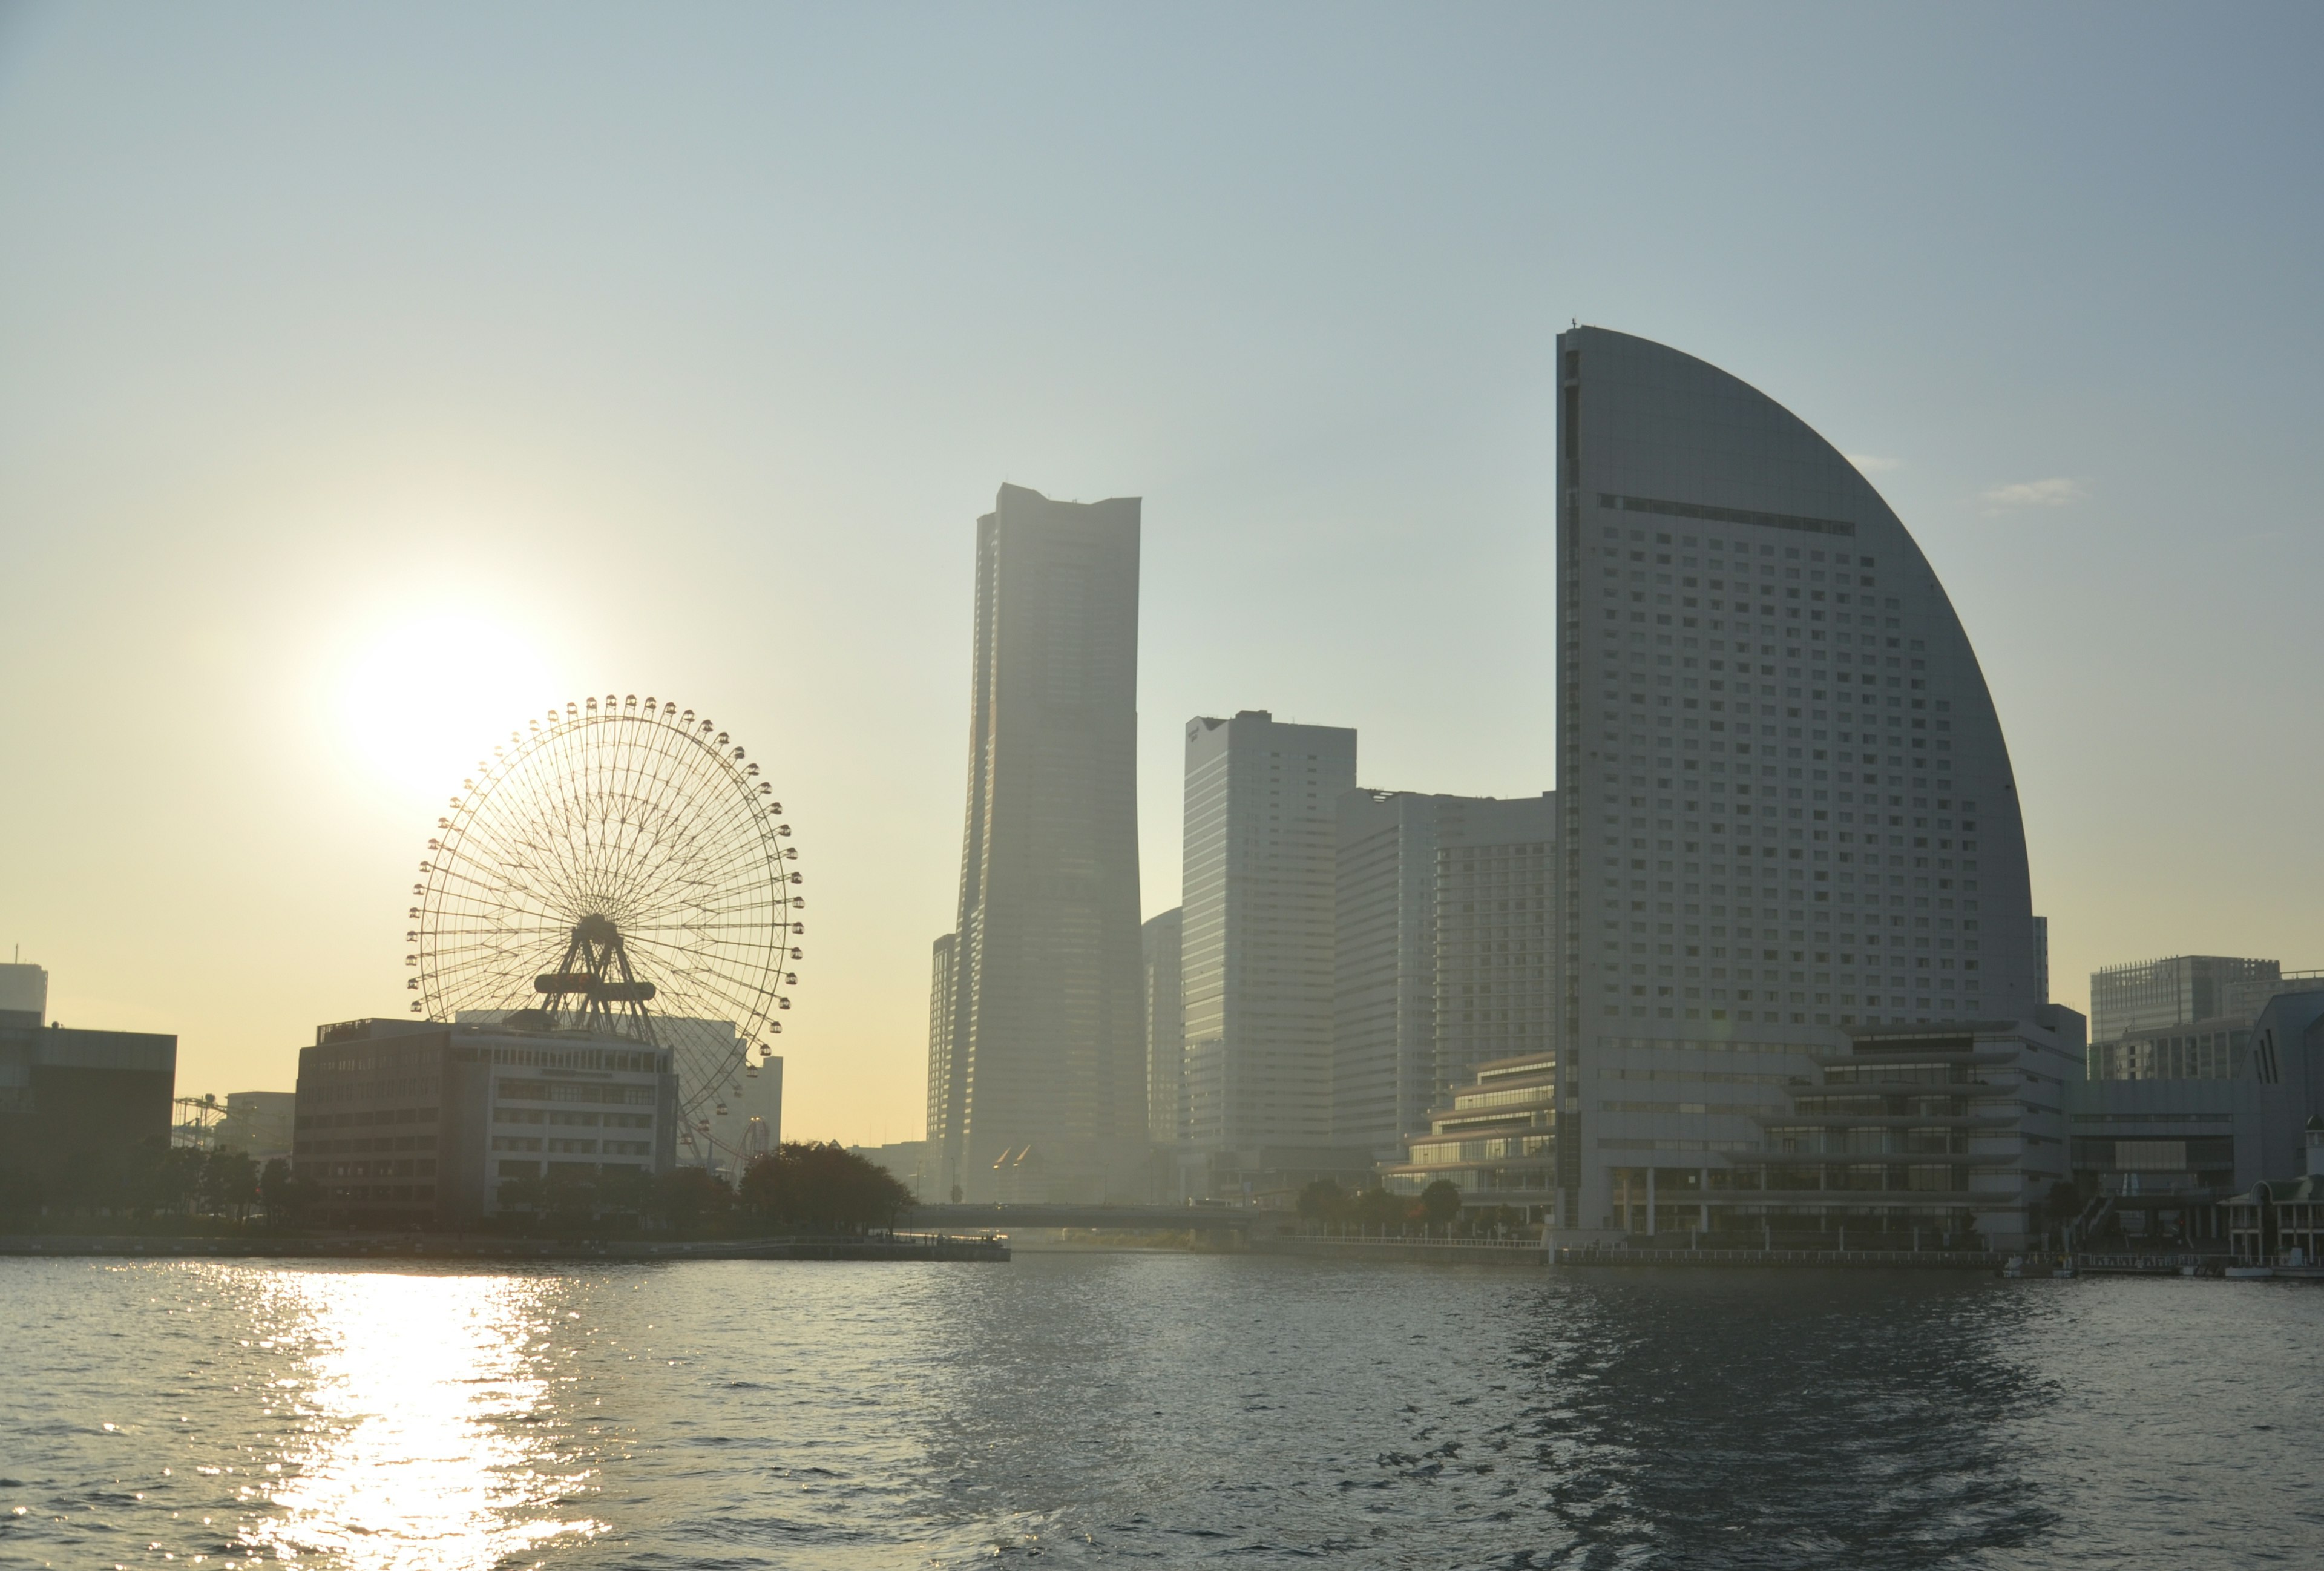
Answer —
(261, 1124)
(408, 1123)
(88, 1098)
(1497, 1144)
(2170, 1121)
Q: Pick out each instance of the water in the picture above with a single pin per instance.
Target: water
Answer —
(1153, 1409)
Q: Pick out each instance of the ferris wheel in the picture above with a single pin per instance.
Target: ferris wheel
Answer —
(617, 868)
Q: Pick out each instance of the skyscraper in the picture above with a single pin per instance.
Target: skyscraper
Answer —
(1497, 935)
(1443, 951)
(1165, 1029)
(1787, 808)
(1261, 804)
(1047, 1034)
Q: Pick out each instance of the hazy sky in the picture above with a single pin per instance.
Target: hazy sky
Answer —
(373, 377)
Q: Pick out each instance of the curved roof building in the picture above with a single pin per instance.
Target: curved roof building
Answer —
(1787, 806)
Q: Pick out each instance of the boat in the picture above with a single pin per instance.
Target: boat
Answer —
(2247, 1273)
(2015, 1266)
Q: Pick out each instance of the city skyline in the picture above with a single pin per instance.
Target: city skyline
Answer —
(328, 455)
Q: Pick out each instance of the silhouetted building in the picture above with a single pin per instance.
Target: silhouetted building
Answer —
(1047, 1032)
(1165, 1029)
(82, 1101)
(1787, 806)
(404, 1124)
(23, 995)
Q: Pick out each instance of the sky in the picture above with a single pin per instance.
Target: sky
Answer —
(374, 377)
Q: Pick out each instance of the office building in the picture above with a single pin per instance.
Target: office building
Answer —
(80, 1099)
(2173, 1120)
(258, 1122)
(2152, 993)
(1260, 906)
(1048, 1029)
(24, 996)
(1497, 935)
(1165, 1029)
(1444, 947)
(403, 1124)
(1786, 808)
(1383, 1066)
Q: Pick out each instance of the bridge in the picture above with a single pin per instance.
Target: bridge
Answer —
(1129, 1218)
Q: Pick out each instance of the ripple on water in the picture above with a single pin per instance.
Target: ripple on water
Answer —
(1157, 1409)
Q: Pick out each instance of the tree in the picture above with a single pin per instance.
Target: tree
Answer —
(684, 1196)
(1440, 1202)
(229, 1183)
(1379, 1208)
(1323, 1201)
(823, 1186)
(284, 1194)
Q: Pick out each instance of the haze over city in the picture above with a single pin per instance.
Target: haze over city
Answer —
(374, 381)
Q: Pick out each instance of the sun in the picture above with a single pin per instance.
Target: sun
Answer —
(420, 703)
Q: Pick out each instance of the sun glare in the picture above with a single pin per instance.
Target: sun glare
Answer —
(419, 705)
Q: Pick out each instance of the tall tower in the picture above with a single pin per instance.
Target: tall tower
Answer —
(1048, 1029)
(1787, 805)
(1261, 806)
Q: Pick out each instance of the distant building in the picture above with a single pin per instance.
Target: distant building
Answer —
(24, 996)
(2172, 1122)
(1383, 1066)
(2150, 994)
(1444, 946)
(80, 1098)
(1788, 805)
(403, 1124)
(1496, 1140)
(1259, 887)
(1047, 1028)
(1496, 934)
(904, 1160)
(259, 1122)
(744, 1123)
(1166, 1028)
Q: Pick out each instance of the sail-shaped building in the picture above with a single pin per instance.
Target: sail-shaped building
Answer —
(1788, 821)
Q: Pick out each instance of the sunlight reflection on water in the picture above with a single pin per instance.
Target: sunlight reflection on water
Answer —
(413, 1393)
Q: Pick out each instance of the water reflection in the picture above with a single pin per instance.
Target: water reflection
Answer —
(421, 1407)
(1744, 1420)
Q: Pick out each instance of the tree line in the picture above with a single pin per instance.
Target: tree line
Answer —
(1437, 1207)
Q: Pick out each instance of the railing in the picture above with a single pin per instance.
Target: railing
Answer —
(1586, 1254)
(1405, 1241)
(2140, 1264)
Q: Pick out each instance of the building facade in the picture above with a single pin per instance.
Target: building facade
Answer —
(403, 1124)
(1383, 1067)
(1047, 1030)
(1166, 1028)
(1495, 1140)
(1497, 935)
(82, 1099)
(1259, 890)
(1444, 947)
(2150, 994)
(1787, 806)
(944, 982)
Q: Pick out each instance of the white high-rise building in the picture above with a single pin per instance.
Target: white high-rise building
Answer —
(1046, 1041)
(1260, 832)
(1787, 806)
